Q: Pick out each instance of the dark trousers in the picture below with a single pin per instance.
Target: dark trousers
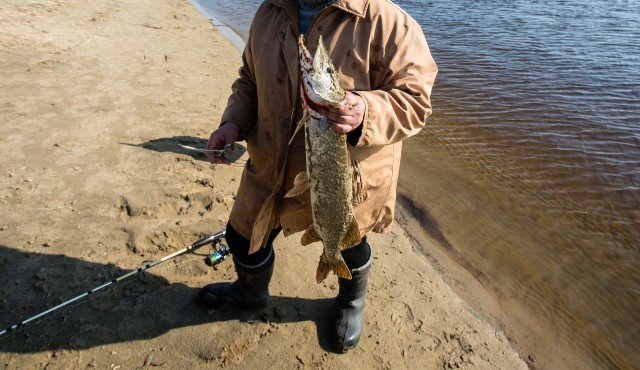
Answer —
(354, 257)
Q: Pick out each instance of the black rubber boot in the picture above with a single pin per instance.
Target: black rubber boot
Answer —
(251, 290)
(350, 302)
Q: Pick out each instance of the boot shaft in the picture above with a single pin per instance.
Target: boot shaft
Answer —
(353, 292)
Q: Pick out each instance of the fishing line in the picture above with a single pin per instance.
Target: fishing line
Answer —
(218, 254)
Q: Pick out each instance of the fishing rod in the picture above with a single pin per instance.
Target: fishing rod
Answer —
(218, 254)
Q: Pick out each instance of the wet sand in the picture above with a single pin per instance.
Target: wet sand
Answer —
(95, 99)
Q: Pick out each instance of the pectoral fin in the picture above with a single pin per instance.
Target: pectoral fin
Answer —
(301, 179)
(310, 236)
(300, 124)
(300, 185)
(352, 237)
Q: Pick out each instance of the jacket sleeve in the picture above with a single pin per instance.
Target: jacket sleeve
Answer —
(242, 105)
(398, 108)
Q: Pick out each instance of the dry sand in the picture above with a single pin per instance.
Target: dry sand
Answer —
(94, 99)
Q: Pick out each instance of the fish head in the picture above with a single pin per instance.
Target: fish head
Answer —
(320, 82)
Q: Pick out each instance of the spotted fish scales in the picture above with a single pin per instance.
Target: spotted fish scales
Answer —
(328, 176)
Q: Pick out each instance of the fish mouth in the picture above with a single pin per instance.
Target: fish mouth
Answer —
(320, 81)
(311, 103)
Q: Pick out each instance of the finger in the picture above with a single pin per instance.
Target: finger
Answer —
(323, 111)
(355, 104)
(341, 128)
(214, 159)
(216, 141)
(342, 110)
(339, 117)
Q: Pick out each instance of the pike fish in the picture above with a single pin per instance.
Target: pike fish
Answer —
(328, 176)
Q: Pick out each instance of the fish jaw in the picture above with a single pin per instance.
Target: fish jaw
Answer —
(320, 82)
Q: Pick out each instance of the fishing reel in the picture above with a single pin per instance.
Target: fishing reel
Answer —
(219, 252)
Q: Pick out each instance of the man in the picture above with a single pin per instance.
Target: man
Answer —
(384, 62)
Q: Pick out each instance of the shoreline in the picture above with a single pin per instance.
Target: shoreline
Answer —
(96, 185)
(236, 40)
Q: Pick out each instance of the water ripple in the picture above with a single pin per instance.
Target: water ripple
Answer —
(536, 125)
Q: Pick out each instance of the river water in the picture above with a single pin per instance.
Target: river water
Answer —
(529, 167)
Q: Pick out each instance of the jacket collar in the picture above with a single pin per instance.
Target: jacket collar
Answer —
(356, 7)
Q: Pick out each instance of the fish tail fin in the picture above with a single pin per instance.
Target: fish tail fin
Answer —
(352, 236)
(340, 268)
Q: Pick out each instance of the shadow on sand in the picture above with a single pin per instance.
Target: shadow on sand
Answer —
(142, 307)
(173, 145)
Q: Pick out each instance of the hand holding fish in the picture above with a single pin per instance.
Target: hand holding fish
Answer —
(223, 139)
(346, 117)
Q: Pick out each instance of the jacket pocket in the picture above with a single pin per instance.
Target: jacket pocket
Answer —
(359, 190)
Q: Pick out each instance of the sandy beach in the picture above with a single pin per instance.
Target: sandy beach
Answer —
(95, 100)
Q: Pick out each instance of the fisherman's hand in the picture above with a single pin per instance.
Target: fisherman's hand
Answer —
(223, 139)
(348, 116)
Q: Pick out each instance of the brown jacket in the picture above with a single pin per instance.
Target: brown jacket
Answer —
(381, 54)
